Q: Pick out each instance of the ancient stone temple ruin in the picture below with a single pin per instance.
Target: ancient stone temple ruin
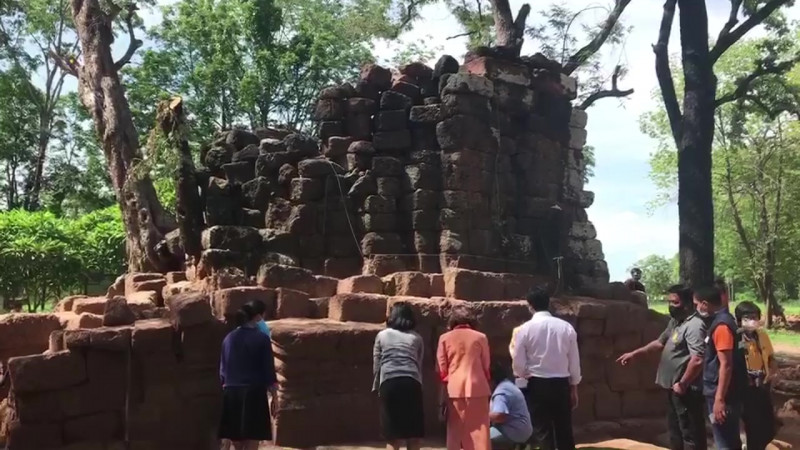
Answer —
(440, 187)
(423, 170)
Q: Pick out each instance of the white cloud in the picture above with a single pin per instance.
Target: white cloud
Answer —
(628, 236)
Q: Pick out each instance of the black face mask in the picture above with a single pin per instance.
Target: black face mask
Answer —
(676, 312)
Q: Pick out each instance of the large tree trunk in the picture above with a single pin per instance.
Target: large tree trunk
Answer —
(189, 207)
(695, 197)
(102, 94)
(32, 202)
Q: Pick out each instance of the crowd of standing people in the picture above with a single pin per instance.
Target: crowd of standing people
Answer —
(714, 366)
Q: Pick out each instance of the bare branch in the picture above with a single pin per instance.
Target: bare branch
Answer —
(510, 32)
(522, 17)
(456, 36)
(583, 55)
(733, 19)
(765, 67)
(134, 44)
(664, 72)
(613, 92)
(732, 36)
(410, 14)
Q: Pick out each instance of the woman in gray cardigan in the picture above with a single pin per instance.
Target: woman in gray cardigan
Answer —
(397, 366)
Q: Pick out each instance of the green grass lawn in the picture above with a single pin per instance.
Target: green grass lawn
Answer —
(777, 336)
(785, 337)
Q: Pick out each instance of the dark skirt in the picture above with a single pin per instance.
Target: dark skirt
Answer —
(401, 409)
(245, 414)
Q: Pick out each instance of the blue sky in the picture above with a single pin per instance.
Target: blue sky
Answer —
(628, 230)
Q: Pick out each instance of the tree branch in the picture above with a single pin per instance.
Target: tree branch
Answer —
(134, 44)
(510, 32)
(765, 67)
(733, 19)
(613, 92)
(67, 65)
(664, 72)
(409, 15)
(522, 18)
(737, 218)
(465, 34)
(583, 55)
(730, 36)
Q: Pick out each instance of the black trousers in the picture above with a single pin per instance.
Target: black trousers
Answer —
(686, 419)
(551, 412)
(759, 417)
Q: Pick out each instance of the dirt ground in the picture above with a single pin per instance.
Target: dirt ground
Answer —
(621, 444)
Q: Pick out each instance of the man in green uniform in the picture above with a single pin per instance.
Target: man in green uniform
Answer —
(682, 346)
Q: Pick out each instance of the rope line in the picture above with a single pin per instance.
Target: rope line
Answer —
(346, 211)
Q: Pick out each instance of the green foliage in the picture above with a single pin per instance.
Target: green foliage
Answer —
(43, 257)
(31, 31)
(18, 133)
(76, 179)
(756, 168)
(658, 274)
(419, 50)
(476, 19)
(254, 62)
(589, 162)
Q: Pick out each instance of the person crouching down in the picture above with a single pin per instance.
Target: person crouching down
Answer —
(508, 412)
(758, 414)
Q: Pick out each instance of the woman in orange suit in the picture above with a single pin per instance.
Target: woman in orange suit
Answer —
(463, 362)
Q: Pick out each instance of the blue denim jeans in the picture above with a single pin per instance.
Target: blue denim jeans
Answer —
(726, 435)
(499, 440)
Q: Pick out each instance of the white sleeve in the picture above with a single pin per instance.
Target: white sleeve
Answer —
(519, 360)
(574, 359)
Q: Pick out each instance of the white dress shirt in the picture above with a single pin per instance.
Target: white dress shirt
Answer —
(547, 347)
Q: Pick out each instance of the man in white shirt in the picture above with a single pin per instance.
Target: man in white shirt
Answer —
(546, 354)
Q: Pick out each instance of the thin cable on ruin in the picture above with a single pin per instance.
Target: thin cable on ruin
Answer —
(346, 212)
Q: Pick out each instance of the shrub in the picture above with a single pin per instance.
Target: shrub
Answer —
(43, 257)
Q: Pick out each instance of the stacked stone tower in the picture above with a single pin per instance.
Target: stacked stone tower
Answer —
(476, 167)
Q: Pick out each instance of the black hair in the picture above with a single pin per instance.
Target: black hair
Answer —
(709, 294)
(720, 283)
(684, 293)
(499, 372)
(539, 299)
(401, 317)
(258, 306)
(746, 308)
(245, 314)
(636, 269)
(460, 315)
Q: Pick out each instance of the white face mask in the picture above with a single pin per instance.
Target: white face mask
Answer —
(750, 324)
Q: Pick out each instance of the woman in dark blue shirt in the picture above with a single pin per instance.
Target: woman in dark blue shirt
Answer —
(247, 372)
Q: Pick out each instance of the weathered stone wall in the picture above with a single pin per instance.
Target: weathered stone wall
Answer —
(154, 384)
(147, 385)
(477, 167)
